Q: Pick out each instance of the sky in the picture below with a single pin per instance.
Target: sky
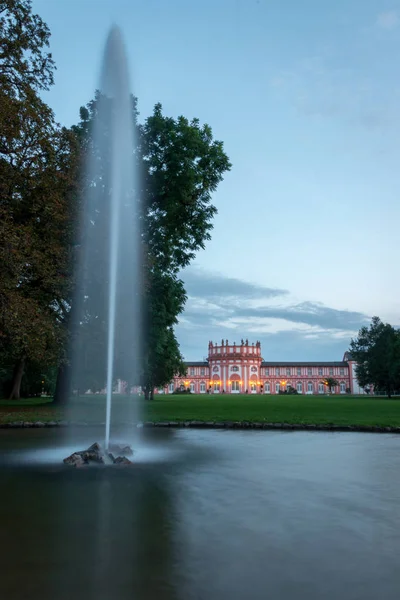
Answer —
(306, 98)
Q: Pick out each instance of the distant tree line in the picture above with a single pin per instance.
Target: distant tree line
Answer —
(377, 353)
(43, 186)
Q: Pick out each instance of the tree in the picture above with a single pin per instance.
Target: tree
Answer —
(36, 179)
(180, 166)
(376, 351)
(330, 383)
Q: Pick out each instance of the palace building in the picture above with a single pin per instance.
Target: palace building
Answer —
(239, 368)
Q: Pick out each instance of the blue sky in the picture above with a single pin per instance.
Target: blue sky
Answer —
(306, 97)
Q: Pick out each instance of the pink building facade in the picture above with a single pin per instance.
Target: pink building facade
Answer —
(239, 368)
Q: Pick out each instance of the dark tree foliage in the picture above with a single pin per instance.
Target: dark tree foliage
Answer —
(36, 180)
(179, 166)
(377, 353)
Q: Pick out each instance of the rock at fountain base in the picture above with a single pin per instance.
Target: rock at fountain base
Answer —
(94, 454)
(122, 460)
(121, 450)
(75, 460)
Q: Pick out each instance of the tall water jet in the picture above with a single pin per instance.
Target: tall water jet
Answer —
(108, 318)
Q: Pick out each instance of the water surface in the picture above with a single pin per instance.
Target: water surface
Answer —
(203, 514)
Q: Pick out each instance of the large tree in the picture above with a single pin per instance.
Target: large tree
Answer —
(36, 181)
(179, 165)
(377, 353)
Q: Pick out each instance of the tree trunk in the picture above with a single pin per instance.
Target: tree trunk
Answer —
(63, 385)
(151, 394)
(18, 373)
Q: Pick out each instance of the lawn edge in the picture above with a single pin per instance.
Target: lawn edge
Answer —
(241, 425)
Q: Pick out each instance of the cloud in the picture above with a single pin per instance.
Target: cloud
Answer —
(201, 283)
(320, 87)
(388, 20)
(222, 307)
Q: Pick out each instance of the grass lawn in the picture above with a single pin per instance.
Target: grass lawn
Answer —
(337, 410)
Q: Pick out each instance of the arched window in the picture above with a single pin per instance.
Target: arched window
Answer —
(321, 389)
(267, 388)
(299, 387)
(202, 387)
(310, 387)
(192, 387)
(277, 388)
(342, 387)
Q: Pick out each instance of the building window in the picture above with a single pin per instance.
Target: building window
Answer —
(341, 371)
(235, 388)
(202, 387)
(321, 388)
(234, 368)
(330, 371)
(310, 388)
(299, 387)
(231, 350)
(288, 371)
(298, 370)
(219, 350)
(277, 388)
(288, 386)
(192, 387)
(216, 388)
(192, 370)
(342, 387)
(320, 371)
(267, 371)
(309, 371)
(202, 371)
(267, 388)
(171, 388)
(253, 388)
(277, 371)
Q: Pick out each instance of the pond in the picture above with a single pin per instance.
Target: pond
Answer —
(203, 514)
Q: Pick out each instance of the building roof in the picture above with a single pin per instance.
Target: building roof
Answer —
(279, 364)
(304, 364)
(199, 363)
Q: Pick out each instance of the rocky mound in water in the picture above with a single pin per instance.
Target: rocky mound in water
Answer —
(95, 455)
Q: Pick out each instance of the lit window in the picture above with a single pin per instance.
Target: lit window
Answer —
(235, 387)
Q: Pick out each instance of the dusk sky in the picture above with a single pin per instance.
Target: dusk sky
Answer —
(306, 98)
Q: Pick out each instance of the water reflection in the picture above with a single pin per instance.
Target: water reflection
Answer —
(229, 515)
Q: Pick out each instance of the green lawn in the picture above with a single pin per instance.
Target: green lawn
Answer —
(337, 410)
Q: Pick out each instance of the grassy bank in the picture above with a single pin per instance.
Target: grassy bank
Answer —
(318, 410)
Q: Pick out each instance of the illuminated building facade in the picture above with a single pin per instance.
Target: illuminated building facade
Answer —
(240, 368)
